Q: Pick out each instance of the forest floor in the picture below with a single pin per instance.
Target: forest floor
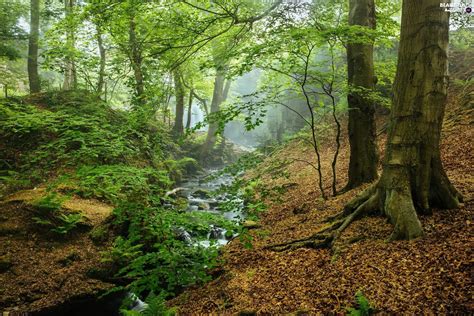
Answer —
(430, 275)
(40, 270)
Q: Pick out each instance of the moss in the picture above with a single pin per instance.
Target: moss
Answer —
(99, 234)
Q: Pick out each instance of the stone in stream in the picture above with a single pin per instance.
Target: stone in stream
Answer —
(204, 206)
(217, 232)
(202, 193)
(183, 235)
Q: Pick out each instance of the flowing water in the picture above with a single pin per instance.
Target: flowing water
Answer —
(203, 196)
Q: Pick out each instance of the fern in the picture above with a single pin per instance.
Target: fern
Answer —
(364, 308)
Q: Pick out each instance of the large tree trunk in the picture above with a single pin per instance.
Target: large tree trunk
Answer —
(136, 60)
(70, 75)
(361, 79)
(179, 94)
(33, 76)
(413, 179)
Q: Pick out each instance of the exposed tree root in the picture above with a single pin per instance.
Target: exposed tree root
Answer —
(326, 237)
(394, 197)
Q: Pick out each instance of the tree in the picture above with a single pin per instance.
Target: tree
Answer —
(179, 95)
(102, 53)
(33, 76)
(190, 107)
(70, 75)
(361, 79)
(413, 179)
(136, 57)
(217, 99)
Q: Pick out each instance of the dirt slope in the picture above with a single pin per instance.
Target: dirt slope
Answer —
(39, 270)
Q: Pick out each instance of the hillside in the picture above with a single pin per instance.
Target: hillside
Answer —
(428, 275)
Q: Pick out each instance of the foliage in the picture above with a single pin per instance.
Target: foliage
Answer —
(364, 308)
(156, 306)
(152, 256)
(115, 183)
(75, 129)
(49, 214)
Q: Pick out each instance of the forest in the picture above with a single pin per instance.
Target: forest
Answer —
(236, 157)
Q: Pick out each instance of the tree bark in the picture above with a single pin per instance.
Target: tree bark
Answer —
(217, 99)
(179, 94)
(100, 44)
(413, 179)
(33, 76)
(70, 75)
(136, 60)
(190, 107)
(361, 80)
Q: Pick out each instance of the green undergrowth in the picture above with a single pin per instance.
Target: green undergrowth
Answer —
(76, 145)
(50, 215)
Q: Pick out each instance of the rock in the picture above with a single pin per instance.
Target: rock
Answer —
(251, 224)
(213, 203)
(203, 206)
(217, 232)
(183, 235)
(202, 193)
(175, 192)
(5, 264)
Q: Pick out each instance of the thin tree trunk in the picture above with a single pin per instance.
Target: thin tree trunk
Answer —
(70, 75)
(203, 102)
(100, 44)
(136, 60)
(179, 94)
(361, 124)
(33, 76)
(225, 92)
(190, 107)
(5, 90)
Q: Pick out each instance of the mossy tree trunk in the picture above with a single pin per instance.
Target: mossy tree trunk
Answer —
(136, 59)
(413, 179)
(102, 64)
(361, 79)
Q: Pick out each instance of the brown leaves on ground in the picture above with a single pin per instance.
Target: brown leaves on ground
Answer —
(430, 275)
(44, 270)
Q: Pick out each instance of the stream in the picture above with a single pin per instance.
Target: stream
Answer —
(202, 197)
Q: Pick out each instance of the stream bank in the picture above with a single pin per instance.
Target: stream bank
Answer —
(60, 281)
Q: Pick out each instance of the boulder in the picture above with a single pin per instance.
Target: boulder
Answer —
(202, 193)
(204, 206)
